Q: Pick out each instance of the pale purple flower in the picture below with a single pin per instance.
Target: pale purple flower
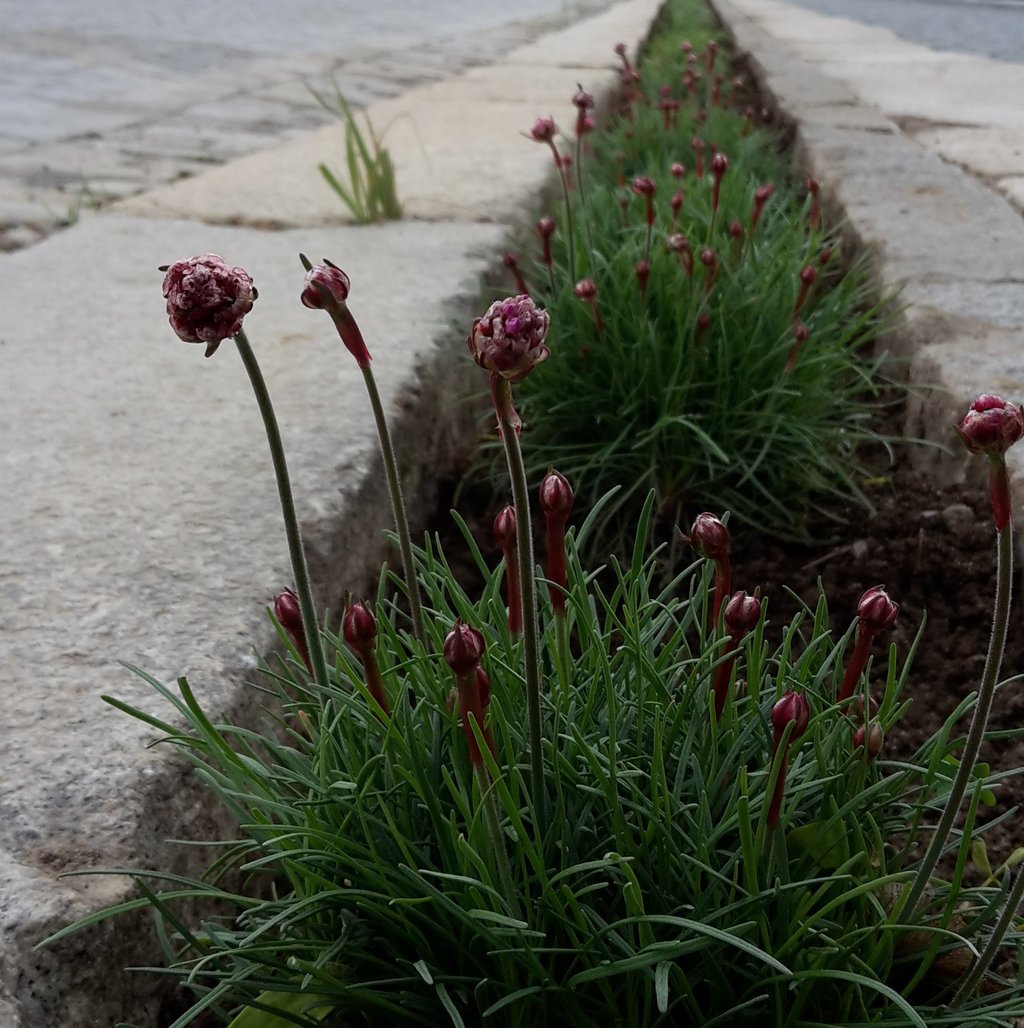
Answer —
(509, 339)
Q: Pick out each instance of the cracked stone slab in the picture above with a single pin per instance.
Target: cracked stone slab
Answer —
(986, 151)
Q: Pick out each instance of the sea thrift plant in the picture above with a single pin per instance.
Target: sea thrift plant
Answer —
(603, 850)
(556, 834)
(682, 352)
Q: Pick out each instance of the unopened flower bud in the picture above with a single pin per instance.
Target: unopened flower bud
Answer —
(719, 165)
(582, 100)
(585, 289)
(742, 613)
(870, 737)
(678, 170)
(709, 537)
(643, 186)
(359, 628)
(505, 528)
(207, 299)
(736, 229)
(289, 617)
(463, 648)
(546, 228)
(556, 496)
(543, 130)
(511, 261)
(506, 536)
(287, 611)
(791, 708)
(643, 273)
(327, 288)
(991, 425)
(876, 611)
(325, 284)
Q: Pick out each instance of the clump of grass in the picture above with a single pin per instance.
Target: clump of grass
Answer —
(370, 193)
(694, 359)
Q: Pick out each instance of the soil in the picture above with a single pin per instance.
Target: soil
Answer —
(934, 551)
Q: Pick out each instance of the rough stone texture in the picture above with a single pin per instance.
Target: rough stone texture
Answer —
(1013, 190)
(590, 44)
(990, 152)
(142, 524)
(141, 512)
(458, 149)
(84, 87)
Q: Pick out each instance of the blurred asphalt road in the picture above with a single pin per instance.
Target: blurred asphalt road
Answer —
(986, 28)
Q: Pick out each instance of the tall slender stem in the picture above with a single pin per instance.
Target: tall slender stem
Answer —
(580, 185)
(976, 733)
(303, 589)
(397, 504)
(528, 589)
(569, 235)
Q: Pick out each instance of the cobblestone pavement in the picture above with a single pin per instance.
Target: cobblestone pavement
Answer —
(101, 101)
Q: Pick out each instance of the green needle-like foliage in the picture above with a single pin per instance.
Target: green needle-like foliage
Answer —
(373, 893)
(692, 386)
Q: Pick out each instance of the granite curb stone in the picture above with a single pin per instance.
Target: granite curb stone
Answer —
(940, 235)
(143, 524)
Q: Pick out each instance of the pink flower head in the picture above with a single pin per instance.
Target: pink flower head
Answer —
(678, 170)
(991, 426)
(207, 299)
(463, 648)
(509, 339)
(876, 611)
(546, 228)
(643, 186)
(543, 130)
(325, 283)
(585, 289)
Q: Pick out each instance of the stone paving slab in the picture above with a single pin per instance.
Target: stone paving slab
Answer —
(434, 133)
(141, 519)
